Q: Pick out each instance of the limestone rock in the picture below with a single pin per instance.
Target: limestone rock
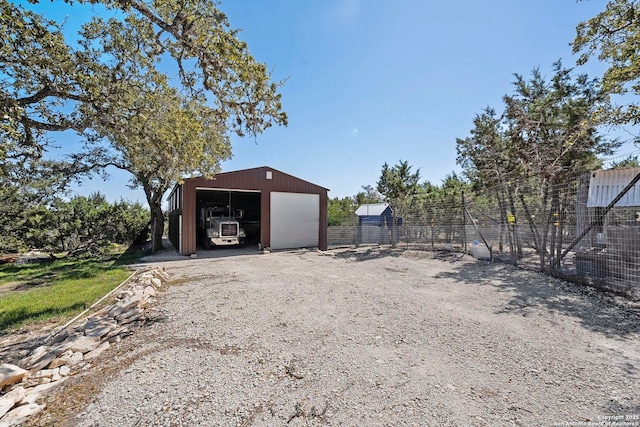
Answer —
(124, 294)
(63, 359)
(50, 365)
(84, 344)
(76, 358)
(29, 380)
(116, 310)
(10, 374)
(162, 274)
(42, 362)
(96, 352)
(114, 332)
(46, 373)
(44, 355)
(122, 319)
(131, 318)
(32, 395)
(97, 321)
(99, 326)
(100, 331)
(60, 336)
(39, 359)
(10, 399)
(18, 414)
(39, 352)
(132, 301)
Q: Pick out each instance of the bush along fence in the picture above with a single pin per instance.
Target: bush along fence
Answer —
(585, 229)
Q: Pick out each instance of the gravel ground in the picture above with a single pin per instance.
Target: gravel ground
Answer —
(366, 338)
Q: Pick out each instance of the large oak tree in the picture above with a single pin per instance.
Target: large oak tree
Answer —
(109, 86)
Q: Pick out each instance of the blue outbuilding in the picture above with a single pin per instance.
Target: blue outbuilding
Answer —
(375, 221)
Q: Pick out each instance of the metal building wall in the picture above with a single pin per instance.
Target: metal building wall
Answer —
(606, 185)
(249, 179)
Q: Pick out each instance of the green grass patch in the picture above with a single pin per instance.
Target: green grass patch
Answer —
(60, 289)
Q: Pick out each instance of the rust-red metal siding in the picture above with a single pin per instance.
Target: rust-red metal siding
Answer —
(249, 179)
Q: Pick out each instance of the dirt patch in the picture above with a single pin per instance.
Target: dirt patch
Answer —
(364, 337)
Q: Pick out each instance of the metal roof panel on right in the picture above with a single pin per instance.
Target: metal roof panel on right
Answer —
(604, 186)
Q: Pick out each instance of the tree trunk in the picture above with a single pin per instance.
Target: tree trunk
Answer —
(154, 198)
(562, 222)
(505, 222)
(547, 216)
(555, 224)
(157, 226)
(532, 224)
(515, 225)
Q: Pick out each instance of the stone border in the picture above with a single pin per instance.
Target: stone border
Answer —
(70, 350)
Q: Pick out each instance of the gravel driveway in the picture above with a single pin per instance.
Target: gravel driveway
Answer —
(364, 338)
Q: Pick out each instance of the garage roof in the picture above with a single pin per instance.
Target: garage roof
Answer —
(263, 178)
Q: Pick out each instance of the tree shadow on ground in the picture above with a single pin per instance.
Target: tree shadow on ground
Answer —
(596, 310)
(10, 319)
(62, 269)
(131, 255)
(43, 282)
(368, 253)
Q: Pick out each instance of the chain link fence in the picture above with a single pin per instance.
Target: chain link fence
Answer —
(583, 228)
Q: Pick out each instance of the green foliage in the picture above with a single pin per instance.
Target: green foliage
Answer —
(398, 185)
(25, 191)
(197, 32)
(92, 219)
(546, 135)
(110, 87)
(342, 211)
(368, 195)
(487, 156)
(48, 85)
(613, 36)
(60, 289)
(551, 124)
(39, 82)
(65, 225)
(546, 131)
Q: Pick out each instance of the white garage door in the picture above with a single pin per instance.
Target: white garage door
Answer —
(295, 220)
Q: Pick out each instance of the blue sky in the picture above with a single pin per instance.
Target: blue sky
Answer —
(369, 81)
